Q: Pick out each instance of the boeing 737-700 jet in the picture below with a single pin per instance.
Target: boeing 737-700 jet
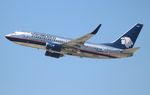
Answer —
(57, 47)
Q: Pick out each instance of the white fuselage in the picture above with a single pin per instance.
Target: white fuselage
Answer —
(39, 40)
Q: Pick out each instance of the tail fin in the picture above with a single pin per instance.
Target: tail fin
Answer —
(129, 38)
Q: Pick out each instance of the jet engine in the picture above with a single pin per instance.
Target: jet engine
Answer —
(53, 47)
(55, 55)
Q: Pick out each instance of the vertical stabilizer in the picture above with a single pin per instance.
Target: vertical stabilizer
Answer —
(128, 40)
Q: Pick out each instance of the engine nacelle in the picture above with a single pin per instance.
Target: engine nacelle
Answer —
(55, 55)
(53, 47)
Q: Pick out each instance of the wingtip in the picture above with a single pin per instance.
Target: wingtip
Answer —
(96, 30)
(139, 24)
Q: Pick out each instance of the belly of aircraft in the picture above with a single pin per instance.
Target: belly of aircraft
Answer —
(80, 53)
(31, 45)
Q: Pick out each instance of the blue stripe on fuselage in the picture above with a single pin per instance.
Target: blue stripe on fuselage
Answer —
(44, 44)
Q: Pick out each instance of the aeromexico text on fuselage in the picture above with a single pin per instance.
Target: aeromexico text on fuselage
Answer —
(59, 46)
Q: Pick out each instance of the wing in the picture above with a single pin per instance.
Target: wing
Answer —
(80, 41)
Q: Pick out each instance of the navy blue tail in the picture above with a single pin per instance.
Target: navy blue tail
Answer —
(129, 38)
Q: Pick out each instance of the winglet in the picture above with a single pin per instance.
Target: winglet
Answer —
(96, 30)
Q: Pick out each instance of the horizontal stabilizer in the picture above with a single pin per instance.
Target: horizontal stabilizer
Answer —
(131, 50)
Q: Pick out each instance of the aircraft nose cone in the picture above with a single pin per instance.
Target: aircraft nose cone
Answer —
(7, 36)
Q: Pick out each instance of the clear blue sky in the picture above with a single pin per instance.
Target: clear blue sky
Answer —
(26, 71)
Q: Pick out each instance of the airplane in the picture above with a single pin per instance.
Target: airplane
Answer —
(57, 47)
